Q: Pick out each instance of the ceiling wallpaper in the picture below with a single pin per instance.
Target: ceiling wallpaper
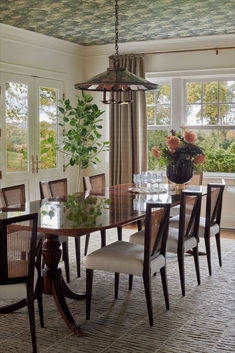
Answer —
(89, 22)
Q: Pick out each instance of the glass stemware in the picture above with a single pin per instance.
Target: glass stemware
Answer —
(143, 180)
(158, 180)
(136, 180)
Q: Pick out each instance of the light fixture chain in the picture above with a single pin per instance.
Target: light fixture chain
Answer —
(116, 27)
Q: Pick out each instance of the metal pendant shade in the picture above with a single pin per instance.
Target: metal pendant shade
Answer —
(117, 78)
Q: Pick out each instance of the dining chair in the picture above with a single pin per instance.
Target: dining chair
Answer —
(20, 277)
(195, 180)
(58, 188)
(134, 259)
(96, 184)
(210, 225)
(185, 236)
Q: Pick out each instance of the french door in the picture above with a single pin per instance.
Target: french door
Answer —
(29, 132)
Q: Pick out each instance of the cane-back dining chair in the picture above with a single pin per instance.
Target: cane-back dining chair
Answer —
(185, 237)
(58, 188)
(195, 180)
(96, 184)
(134, 259)
(20, 276)
(210, 225)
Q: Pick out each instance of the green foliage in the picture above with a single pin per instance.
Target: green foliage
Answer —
(82, 138)
(47, 146)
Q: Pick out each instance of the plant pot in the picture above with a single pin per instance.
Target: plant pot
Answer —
(180, 174)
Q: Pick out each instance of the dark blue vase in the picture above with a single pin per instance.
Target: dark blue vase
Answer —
(181, 173)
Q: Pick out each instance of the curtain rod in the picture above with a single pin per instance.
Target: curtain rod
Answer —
(187, 51)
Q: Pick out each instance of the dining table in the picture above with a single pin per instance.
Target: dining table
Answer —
(82, 213)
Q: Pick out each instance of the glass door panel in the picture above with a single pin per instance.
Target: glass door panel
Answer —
(16, 115)
(48, 98)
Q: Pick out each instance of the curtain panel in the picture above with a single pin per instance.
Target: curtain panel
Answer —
(128, 129)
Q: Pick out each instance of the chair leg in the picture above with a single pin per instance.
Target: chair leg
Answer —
(89, 279)
(139, 224)
(86, 244)
(103, 237)
(181, 271)
(30, 305)
(130, 281)
(217, 237)
(165, 286)
(196, 262)
(119, 230)
(39, 300)
(66, 259)
(208, 254)
(116, 285)
(78, 255)
(148, 295)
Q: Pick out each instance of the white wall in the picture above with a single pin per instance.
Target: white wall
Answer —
(30, 53)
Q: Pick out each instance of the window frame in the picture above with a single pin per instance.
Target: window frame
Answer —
(178, 102)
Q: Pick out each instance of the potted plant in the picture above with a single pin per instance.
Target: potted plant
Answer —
(81, 139)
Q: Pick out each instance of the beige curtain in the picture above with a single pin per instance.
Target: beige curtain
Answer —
(128, 130)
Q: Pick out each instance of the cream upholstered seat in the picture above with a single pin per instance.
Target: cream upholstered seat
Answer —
(21, 268)
(135, 259)
(122, 257)
(210, 225)
(214, 229)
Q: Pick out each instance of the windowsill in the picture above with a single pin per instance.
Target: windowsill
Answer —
(215, 175)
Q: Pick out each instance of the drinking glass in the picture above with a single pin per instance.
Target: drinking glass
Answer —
(136, 180)
(143, 180)
(158, 180)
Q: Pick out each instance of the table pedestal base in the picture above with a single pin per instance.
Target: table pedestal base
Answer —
(54, 284)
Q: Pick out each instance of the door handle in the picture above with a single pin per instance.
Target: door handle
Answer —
(37, 164)
(33, 170)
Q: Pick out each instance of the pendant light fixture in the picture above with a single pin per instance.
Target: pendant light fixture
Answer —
(116, 79)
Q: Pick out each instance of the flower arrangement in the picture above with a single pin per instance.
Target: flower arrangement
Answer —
(179, 150)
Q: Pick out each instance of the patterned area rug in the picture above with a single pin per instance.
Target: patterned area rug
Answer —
(203, 321)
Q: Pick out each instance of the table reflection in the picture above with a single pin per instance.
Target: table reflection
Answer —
(140, 201)
(75, 211)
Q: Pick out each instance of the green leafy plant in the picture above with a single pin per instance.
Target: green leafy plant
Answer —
(82, 139)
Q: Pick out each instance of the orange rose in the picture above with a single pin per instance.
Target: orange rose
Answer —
(200, 159)
(173, 142)
(156, 152)
(190, 136)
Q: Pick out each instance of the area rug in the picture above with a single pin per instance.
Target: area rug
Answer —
(202, 321)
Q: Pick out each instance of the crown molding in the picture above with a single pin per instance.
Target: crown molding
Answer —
(220, 40)
(16, 35)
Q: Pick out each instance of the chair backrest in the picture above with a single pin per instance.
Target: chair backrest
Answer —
(196, 179)
(94, 183)
(53, 188)
(214, 203)
(190, 208)
(18, 250)
(13, 195)
(156, 231)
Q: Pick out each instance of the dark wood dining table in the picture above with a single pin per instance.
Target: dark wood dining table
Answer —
(83, 213)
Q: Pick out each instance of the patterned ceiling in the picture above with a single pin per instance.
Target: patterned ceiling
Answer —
(89, 22)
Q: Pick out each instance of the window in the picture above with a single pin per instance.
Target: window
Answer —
(210, 110)
(159, 119)
(206, 105)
